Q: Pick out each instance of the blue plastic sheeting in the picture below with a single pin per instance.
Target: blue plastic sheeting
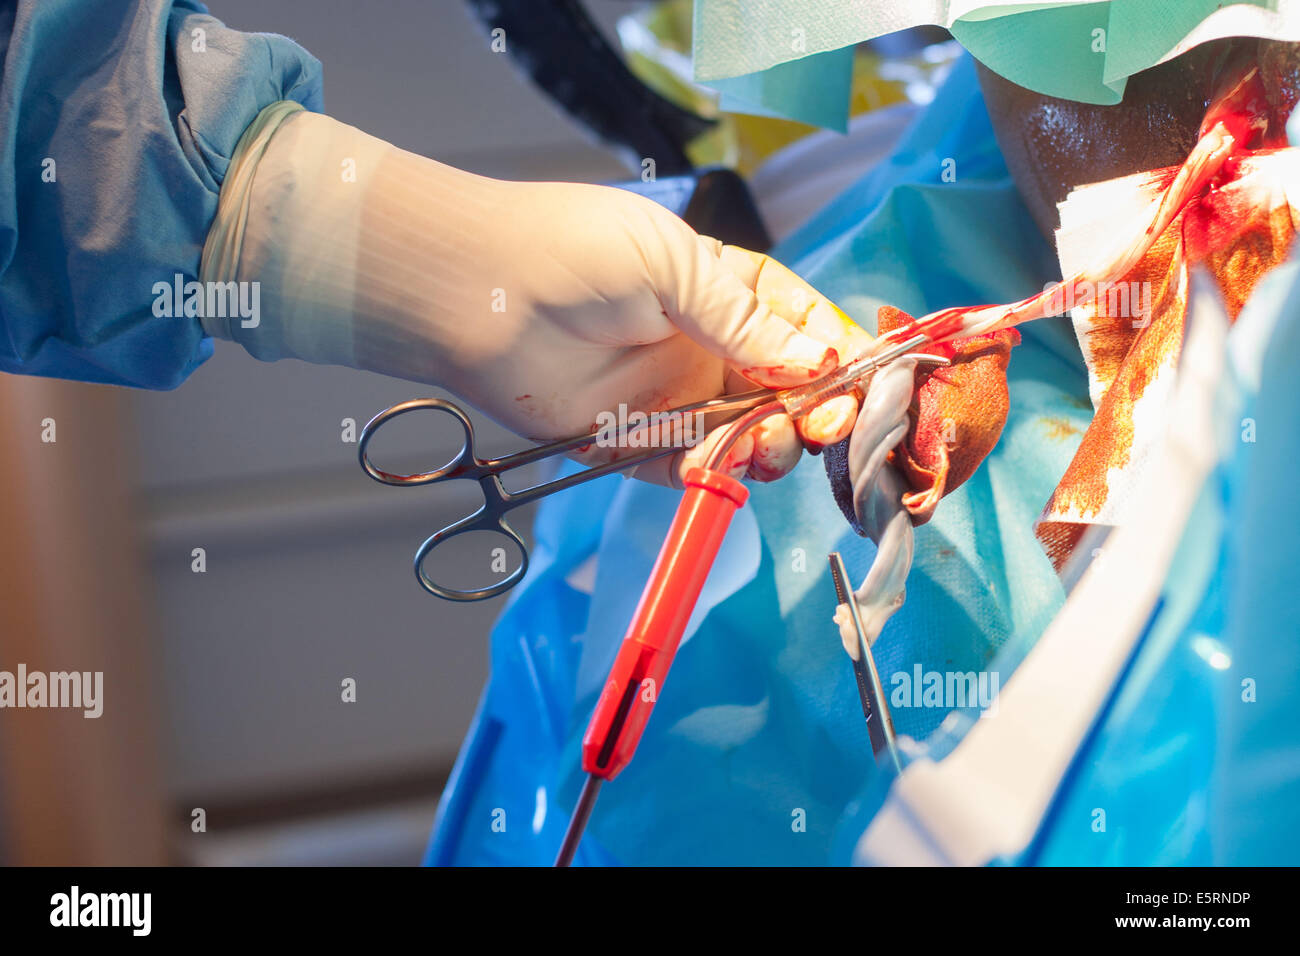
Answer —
(757, 746)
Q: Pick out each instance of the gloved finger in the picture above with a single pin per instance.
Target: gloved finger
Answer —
(766, 452)
(794, 300)
(717, 309)
(735, 464)
(776, 448)
(829, 422)
(800, 304)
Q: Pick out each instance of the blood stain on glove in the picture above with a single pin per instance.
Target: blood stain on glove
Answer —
(775, 449)
(789, 374)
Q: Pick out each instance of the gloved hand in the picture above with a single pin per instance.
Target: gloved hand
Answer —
(541, 304)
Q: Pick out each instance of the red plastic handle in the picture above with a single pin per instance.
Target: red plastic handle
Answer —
(637, 677)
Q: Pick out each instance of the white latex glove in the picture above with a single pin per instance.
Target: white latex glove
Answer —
(541, 304)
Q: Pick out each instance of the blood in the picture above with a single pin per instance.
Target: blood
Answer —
(785, 372)
(940, 326)
(771, 371)
(1235, 120)
(1217, 211)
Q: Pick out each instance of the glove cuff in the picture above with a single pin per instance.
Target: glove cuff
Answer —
(221, 250)
(362, 254)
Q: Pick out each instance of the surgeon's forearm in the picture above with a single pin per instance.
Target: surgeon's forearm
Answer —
(365, 254)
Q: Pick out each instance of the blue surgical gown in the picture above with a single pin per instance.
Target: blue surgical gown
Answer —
(117, 122)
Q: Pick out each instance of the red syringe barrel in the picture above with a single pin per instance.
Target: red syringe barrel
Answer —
(636, 679)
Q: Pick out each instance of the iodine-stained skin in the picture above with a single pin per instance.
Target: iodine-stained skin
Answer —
(1053, 145)
(1238, 226)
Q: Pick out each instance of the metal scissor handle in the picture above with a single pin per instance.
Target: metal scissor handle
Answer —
(496, 499)
(481, 520)
(490, 516)
(464, 464)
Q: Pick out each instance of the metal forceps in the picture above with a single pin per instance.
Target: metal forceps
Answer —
(498, 502)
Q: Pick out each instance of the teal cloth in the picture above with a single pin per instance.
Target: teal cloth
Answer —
(777, 50)
(757, 748)
(815, 90)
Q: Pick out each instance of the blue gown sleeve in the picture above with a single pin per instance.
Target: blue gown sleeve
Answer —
(117, 122)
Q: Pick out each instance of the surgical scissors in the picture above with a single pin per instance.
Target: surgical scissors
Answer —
(498, 502)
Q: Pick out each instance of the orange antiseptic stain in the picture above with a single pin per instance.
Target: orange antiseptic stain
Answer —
(1238, 230)
(1060, 428)
(1111, 336)
(1127, 359)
